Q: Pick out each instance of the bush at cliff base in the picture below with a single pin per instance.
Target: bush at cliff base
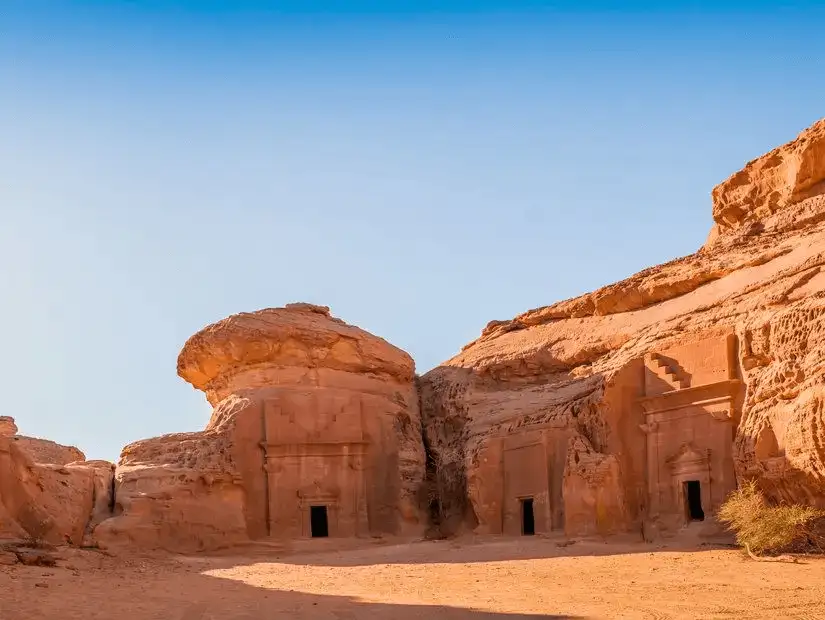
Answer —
(772, 529)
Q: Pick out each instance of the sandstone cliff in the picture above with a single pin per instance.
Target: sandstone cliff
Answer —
(581, 369)
(307, 411)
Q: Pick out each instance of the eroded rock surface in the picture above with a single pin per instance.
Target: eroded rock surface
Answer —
(7, 426)
(640, 405)
(45, 497)
(315, 427)
(49, 452)
(785, 177)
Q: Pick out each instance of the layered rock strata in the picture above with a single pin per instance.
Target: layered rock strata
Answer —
(315, 426)
(641, 405)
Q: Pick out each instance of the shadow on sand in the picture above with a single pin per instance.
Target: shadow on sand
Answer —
(466, 550)
(243, 602)
(261, 582)
(159, 590)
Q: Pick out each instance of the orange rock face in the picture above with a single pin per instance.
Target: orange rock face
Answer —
(773, 183)
(47, 493)
(315, 431)
(642, 404)
(7, 426)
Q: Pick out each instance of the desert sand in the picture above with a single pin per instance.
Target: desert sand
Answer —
(467, 579)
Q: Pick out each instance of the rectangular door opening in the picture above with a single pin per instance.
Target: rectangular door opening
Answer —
(528, 521)
(693, 501)
(318, 522)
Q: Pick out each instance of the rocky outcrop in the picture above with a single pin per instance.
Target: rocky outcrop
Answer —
(782, 179)
(308, 411)
(180, 491)
(586, 376)
(48, 452)
(44, 498)
(7, 426)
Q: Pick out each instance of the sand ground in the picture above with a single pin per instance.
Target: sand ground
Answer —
(464, 580)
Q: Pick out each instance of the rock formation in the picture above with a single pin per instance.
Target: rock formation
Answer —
(7, 426)
(637, 407)
(315, 431)
(49, 492)
(640, 405)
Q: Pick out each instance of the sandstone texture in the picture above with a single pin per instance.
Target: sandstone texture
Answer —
(639, 406)
(46, 493)
(7, 426)
(49, 452)
(315, 426)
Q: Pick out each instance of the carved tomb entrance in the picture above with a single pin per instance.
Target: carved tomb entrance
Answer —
(314, 451)
(528, 521)
(689, 404)
(693, 500)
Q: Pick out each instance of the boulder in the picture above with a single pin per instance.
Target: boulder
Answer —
(36, 557)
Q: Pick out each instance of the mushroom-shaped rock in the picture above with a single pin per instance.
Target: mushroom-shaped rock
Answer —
(315, 431)
(285, 345)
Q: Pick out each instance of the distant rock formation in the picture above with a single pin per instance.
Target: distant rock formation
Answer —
(315, 431)
(641, 404)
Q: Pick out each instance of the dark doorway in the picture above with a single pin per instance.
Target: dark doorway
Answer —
(318, 523)
(528, 521)
(693, 499)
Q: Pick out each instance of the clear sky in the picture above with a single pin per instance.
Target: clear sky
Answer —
(422, 170)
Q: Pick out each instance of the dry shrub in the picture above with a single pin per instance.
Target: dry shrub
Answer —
(771, 529)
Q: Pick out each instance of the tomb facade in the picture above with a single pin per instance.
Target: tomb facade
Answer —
(655, 449)
(690, 405)
(519, 481)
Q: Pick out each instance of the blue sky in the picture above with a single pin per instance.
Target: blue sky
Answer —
(422, 170)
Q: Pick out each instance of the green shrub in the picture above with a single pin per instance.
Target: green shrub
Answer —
(770, 529)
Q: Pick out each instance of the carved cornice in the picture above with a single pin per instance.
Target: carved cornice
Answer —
(689, 458)
(709, 394)
(321, 448)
